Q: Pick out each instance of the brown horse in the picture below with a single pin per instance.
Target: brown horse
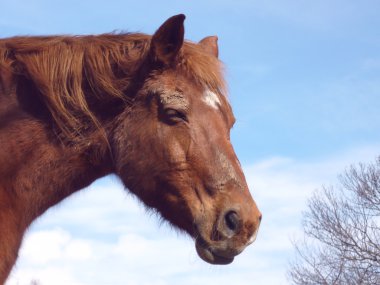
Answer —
(151, 109)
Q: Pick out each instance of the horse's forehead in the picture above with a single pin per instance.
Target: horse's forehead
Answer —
(174, 87)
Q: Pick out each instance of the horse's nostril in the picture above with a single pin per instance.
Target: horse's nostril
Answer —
(232, 220)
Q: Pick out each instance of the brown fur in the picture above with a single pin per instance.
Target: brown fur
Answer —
(61, 66)
(73, 109)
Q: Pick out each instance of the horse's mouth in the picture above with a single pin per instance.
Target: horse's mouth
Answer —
(206, 253)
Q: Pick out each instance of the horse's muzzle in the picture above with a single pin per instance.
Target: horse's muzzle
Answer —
(210, 255)
(229, 237)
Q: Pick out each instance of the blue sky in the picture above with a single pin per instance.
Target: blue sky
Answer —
(304, 81)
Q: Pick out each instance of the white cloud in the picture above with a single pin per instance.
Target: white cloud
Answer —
(47, 275)
(43, 246)
(78, 250)
(102, 236)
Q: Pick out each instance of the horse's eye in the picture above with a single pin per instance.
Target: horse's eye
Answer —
(174, 115)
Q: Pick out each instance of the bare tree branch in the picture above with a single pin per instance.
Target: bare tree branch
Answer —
(342, 232)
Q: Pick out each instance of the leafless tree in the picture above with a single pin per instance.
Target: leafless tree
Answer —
(341, 244)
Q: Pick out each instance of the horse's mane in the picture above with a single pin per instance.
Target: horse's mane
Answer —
(63, 68)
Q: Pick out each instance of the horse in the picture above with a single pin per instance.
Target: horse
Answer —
(151, 109)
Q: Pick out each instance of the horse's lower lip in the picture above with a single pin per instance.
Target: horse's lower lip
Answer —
(207, 255)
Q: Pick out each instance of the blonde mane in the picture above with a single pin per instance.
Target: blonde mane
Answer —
(66, 69)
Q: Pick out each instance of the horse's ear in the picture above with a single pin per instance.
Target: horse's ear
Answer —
(167, 40)
(210, 44)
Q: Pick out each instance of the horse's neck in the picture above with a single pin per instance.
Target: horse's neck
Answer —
(35, 174)
(41, 174)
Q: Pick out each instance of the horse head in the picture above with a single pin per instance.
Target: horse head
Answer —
(172, 146)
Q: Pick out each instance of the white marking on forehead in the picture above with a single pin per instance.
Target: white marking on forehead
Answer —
(211, 99)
